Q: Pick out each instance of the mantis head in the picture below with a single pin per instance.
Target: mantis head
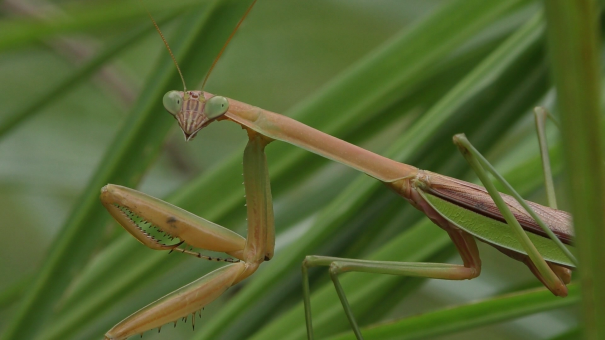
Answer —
(193, 111)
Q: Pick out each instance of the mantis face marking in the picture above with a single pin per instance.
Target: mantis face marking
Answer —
(193, 111)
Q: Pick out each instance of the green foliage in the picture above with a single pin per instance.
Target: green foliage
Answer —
(574, 42)
(399, 78)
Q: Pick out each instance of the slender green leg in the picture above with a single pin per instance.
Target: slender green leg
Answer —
(539, 266)
(334, 270)
(307, 299)
(541, 114)
(464, 242)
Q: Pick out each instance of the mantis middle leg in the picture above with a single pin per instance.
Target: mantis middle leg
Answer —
(464, 242)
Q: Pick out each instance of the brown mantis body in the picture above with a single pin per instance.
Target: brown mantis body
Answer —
(263, 127)
(433, 194)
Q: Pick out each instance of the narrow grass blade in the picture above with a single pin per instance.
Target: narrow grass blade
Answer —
(574, 44)
(458, 318)
(15, 119)
(19, 32)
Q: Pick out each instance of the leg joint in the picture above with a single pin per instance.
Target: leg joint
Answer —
(474, 272)
(335, 268)
(306, 262)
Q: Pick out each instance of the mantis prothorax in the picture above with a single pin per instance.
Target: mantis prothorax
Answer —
(464, 210)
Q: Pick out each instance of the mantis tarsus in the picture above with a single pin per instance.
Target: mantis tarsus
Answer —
(441, 198)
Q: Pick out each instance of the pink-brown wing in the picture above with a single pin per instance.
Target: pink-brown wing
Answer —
(477, 199)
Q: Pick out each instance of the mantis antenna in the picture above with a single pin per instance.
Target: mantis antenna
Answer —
(225, 45)
(168, 47)
(215, 59)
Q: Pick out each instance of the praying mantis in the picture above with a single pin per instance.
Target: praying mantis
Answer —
(431, 193)
(195, 110)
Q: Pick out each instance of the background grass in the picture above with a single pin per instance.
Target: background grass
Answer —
(397, 77)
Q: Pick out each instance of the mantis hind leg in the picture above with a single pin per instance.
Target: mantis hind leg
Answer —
(552, 276)
(564, 274)
(464, 242)
(541, 114)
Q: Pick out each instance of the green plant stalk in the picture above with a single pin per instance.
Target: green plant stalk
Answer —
(14, 292)
(573, 39)
(458, 318)
(573, 334)
(82, 17)
(540, 114)
(10, 123)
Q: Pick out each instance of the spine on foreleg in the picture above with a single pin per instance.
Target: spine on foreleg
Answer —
(178, 304)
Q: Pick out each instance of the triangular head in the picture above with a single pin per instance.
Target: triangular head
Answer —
(193, 110)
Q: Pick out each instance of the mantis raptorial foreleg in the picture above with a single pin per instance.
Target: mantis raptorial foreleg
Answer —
(127, 206)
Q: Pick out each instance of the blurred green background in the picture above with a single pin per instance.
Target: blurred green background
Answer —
(286, 57)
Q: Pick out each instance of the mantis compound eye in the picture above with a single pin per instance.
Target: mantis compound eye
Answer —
(216, 106)
(173, 101)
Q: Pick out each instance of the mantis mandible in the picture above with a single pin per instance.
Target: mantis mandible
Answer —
(464, 210)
